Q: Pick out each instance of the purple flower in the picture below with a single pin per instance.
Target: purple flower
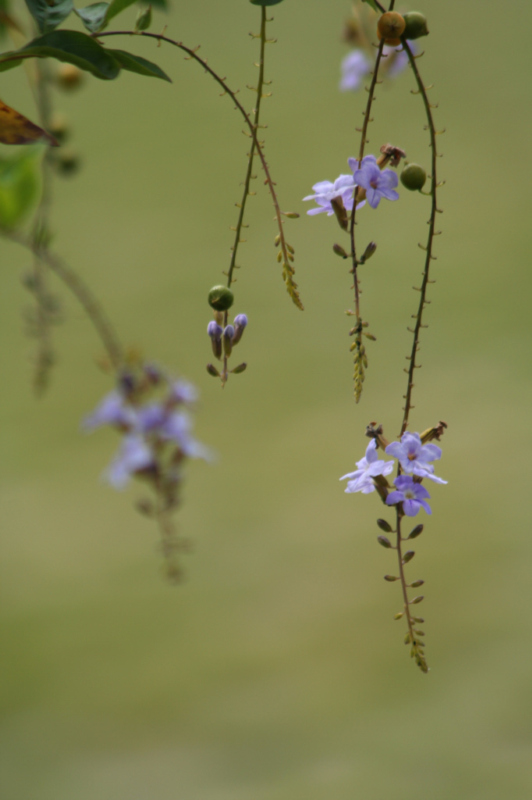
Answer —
(415, 457)
(355, 67)
(397, 59)
(376, 183)
(111, 411)
(182, 391)
(325, 191)
(241, 322)
(133, 456)
(411, 494)
(368, 467)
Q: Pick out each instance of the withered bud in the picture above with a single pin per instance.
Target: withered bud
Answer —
(433, 433)
(391, 154)
(340, 212)
(339, 250)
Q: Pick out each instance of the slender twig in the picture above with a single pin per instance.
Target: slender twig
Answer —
(413, 638)
(430, 242)
(287, 256)
(249, 172)
(79, 289)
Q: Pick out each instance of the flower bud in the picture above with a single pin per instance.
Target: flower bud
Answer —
(382, 540)
(400, 615)
(339, 250)
(413, 177)
(384, 526)
(415, 25)
(240, 323)
(417, 584)
(417, 599)
(240, 368)
(416, 532)
(59, 127)
(368, 252)
(215, 332)
(211, 369)
(391, 578)
(340, 213)
(67, 162)
(229, 332)
(221, 298)
(408, 556)
(390, 27)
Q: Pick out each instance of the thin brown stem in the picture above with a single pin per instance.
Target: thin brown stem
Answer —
(430, 241)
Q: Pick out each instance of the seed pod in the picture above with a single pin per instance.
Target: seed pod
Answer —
(390, 27)
(417, 530)
(221, 298)
(382, 540)
(413, 177)
(384, 526)
(415, 25)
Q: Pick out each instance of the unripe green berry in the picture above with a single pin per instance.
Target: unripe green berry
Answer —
(416, 25)
(221, 298)
(413, 177)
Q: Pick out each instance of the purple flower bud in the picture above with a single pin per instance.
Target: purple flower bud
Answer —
(240, 323)
(229, 332)
(215, 332)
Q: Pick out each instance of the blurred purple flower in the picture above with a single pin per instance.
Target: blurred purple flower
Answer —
(134, 455)
(376, 183)
(412, 495)
(354, 68)
(368, 467)
(111, 411)
(415, 457)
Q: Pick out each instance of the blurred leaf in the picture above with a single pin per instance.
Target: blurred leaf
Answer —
(49, 15)
(373, 4)
(93, 16)
(19, 185)
(117, 6)
(140, 65)
(15, 128)
(162, 4)
(72, 47)
(143, 19)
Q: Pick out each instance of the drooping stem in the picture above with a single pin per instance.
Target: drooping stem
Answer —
(430, 241)
(80, 290)
(413, 637)
(287, 256)
(249, 172)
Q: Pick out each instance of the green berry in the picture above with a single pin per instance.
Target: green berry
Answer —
(221, 298)
(416, 25)
(413, 177)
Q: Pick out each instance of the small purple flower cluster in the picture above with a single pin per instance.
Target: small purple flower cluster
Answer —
(415, 460)
(375, 183)
(156, 434)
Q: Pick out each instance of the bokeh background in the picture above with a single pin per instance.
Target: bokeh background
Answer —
(277, 672)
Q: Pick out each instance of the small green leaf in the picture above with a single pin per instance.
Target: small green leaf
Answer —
(116, 7)
(373, 4)
(137, 64)
(93, 16)
(265, 2)
(143, 21)
(19, 185)
(70, 46)
(49, 15)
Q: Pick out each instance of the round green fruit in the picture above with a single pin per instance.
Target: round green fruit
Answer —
(413, 177)
(221, 298)
(415, 25)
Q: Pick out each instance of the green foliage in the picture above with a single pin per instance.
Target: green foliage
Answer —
(140, 65)
(47, 15)
(93, 16)
(19, 185)
(373, 4)
(4, 9)
(83, 51)
(116, 7)
(143, 20)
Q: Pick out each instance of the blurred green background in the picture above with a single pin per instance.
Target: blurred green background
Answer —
(277, 672)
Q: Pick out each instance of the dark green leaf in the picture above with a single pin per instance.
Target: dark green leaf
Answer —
(72, 47)
(162, 4)
(19, 185)
(49, 15)
(373, 4)
(143, 20)
(138, 64)
(93, 16)
(117, 6)
(4, 66)
(265, 2)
